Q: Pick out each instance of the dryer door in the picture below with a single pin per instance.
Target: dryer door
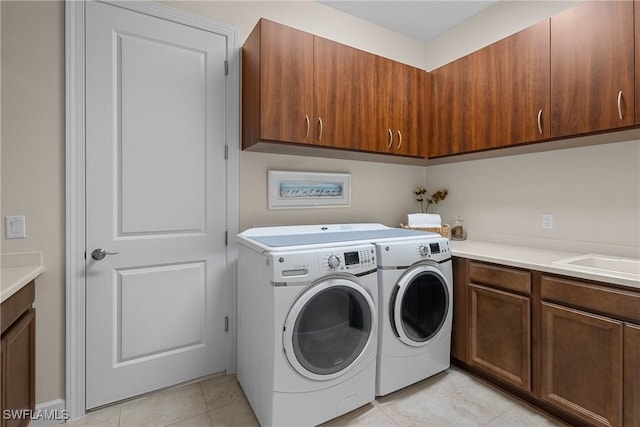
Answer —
(419, 305)
(328, 327)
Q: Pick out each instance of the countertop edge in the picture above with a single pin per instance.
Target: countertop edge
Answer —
(17, 277)
(534, 259)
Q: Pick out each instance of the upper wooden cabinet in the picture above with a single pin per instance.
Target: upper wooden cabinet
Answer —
(636, 8)
(445, 113)
(506, 91)
(592, 68)
(304, 89)
(399, 117)
(277, 85)
(342, 81)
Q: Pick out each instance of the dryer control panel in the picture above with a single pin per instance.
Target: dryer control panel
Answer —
(404, 253)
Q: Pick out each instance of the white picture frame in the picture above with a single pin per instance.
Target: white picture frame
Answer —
(304, 190)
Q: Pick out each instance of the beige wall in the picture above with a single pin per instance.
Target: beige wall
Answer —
(33, 166)
(32, 135)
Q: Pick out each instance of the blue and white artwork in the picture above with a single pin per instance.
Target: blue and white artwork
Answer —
(299, 190)
(310, 190)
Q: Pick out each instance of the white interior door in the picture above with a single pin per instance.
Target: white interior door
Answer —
(155, 196)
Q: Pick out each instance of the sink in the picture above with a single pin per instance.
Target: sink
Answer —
(603, 263)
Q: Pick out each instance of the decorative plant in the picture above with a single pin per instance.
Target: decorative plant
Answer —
(421, 196)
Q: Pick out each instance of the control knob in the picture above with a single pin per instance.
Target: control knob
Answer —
(334, 261)
(424, 250)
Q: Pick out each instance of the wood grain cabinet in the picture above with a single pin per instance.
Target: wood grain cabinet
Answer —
(582, 364)
(17, 356)
(400, 114)
(590, 341)
(506, 91)
(303, 89)
(500, 323)
(342, 95)
(277, 85)
(592, 68)
(568, 345)
(631, 375)
(446, 110)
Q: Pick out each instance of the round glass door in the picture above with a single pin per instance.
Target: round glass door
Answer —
(419, 305)
(328, 328)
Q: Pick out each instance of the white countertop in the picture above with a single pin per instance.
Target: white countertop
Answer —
(17, 271)
(535, 259)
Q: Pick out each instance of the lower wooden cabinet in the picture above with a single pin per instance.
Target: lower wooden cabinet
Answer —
(581, 364)
(631, 375)
(499, 334)
(17, 359)
(569, 346)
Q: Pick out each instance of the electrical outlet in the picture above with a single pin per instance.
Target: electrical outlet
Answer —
(547, 221)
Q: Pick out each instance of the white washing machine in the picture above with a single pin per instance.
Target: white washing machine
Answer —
(307, 322)
(415, 302)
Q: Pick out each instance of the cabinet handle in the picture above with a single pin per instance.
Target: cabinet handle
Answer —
(320, 121)
(540, 121)
(306, 118)
(620, 105)
(400, 139)
(390, 138)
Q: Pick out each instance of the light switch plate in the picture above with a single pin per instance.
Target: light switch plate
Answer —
(14, 227)
(547, 221)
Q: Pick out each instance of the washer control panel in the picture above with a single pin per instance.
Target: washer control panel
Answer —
(349, 259)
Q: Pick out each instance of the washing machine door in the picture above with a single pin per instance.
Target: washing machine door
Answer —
(419, 305)
(329, 327)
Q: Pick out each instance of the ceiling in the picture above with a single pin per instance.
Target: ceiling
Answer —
(422, 20)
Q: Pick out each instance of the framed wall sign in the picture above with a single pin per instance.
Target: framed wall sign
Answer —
(297, 190)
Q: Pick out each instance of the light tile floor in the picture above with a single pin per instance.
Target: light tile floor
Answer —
(452, 398)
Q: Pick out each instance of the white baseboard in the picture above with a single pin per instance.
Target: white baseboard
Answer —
(49, 413)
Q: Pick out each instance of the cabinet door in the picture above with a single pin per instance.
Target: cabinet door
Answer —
(581, 363)
(592, 68)
(631, 375)
(408, 110)
(445, 112)
(460, 312)
(18, 368)
(506, 91)
(400, 97)
(341, 84)
(500, 335)
(277, 63)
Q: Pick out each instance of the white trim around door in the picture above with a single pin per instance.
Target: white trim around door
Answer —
(75, 180)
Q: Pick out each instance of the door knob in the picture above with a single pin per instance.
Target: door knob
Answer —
(99, 254)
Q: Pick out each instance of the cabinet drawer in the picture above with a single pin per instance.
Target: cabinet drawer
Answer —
(501, 277)
(598, 298)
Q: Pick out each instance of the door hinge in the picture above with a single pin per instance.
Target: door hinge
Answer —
(226, 238)
(226, 152)
(226, 68)
(226, 323)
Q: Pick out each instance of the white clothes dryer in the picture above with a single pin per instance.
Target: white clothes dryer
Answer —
(307, 324)
(415, 300)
